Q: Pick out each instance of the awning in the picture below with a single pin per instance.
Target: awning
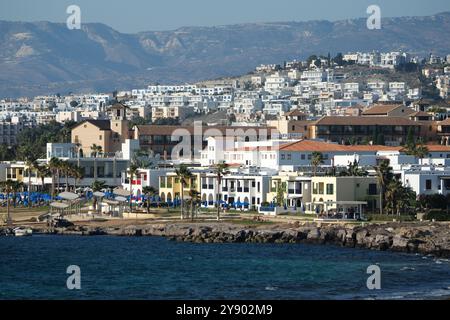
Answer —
(121, 199)
(59, 205)
(68, 195)
(98, 194)
(111, 202)
(121, 192)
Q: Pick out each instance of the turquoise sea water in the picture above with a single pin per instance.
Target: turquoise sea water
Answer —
(155, 268)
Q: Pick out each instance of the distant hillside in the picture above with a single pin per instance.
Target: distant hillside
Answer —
(43, 57)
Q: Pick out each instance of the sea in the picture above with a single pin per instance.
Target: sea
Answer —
(138, 268)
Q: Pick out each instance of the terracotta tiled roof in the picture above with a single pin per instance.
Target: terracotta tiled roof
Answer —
(445, 122)
(366, 121)
(320, 146)
(101, 124)
(380, 109)
(438, 148)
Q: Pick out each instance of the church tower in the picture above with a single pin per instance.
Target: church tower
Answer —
(119, 126)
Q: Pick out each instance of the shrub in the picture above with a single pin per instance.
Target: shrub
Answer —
(437, 215)
(389, 218)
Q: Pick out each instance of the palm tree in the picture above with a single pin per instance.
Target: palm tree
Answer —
(42, 172)
(16, 187)
(97, 186)
(419, 151)
(316, 160)
(184, 175)
(132, 171)
(384, 177)
(77, 173)
(353, 170)
(31, 165)
(53, 166)
(7, 187)
(195, 199)
(149, 192)
(96, 150)
(66, 169)
(220, 170)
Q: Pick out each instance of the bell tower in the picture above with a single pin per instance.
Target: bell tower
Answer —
(119, 125)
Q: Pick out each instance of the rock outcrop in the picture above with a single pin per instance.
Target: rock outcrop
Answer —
(424, 238)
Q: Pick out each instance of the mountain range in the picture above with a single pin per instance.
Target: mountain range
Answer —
(48, 58)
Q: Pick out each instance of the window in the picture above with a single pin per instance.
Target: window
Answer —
(330, 189)
(283, 157)
(100, 137)
(372, 189)
(321, 187)
(428, 184)
(289, 156)
(303, 157)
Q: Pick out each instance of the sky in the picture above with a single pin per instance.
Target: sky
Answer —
(130, 16)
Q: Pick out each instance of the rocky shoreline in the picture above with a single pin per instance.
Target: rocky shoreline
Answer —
(422, 238)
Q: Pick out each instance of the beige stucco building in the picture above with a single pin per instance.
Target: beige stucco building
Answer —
(108, 134)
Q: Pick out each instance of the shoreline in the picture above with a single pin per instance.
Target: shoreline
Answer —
(427, 238)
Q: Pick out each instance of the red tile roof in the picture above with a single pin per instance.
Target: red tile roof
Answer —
(365, 121)
(320, 146)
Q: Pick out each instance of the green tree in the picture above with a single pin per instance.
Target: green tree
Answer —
(31, 164)
(384, 177)
(380, 140)
(42, 172)
(8, 187)
(97, 186)
(195, 200)
(353, 170)
(184, 175)
(54, 167)
(281, 191)
(149, 192)
(220, 170)
(132, 171)
(96, 150)
(316, 160)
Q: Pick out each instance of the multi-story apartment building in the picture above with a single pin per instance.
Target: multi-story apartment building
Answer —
(243, 190)
(173, 112)
(345, 195)
(9, 132)
(392, 130)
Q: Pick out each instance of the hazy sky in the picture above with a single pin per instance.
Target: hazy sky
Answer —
(147, 15)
